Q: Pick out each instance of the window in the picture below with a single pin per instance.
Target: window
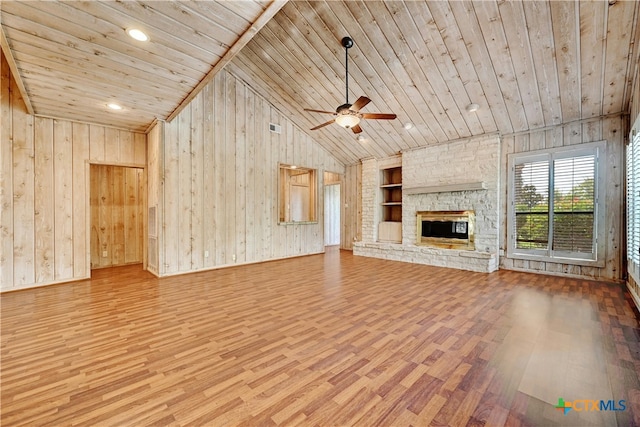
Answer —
(633, 198)
(554, 210)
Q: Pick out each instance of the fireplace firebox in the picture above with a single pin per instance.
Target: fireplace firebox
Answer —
(446, 229)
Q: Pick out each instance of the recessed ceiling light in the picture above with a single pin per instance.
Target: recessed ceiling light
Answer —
(408, 125)
(137, 34)
(114, 106)
(472, 107)
(361, 138)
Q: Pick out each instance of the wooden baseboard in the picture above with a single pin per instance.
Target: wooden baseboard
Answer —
(239, 264)
(39, 285)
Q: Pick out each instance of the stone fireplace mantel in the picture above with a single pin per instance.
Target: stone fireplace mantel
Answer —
(445, 188)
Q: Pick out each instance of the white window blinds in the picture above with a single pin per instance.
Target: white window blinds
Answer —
(532, 205)
(633, 199)
(554, 204)
(574, 204)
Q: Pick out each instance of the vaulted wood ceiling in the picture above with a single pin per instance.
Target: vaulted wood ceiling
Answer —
(528, 64)
(74, 57)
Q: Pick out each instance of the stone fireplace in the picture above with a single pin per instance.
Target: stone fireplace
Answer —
(450, 203)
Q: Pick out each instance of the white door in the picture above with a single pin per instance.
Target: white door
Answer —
(332, 215)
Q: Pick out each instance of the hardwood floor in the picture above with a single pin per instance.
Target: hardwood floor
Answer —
(327, 340)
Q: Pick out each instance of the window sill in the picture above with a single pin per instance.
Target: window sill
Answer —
(558, 260)
(297, 222)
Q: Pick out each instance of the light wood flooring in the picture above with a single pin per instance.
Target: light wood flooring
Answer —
(326, 340)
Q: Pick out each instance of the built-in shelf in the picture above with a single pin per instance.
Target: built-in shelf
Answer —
(446, 188)
(390, 227)
(391, 186)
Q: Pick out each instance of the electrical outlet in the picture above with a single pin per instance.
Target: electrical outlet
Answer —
(206, 254)
(233, 257)
(105, 254)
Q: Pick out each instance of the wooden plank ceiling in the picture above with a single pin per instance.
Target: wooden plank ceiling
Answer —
(528, 64)
(75, 57)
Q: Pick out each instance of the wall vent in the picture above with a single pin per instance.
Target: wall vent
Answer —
(152, 259)
(275, 128)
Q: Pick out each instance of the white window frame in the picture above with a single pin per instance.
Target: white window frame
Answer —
(597, 259)
(633, 211)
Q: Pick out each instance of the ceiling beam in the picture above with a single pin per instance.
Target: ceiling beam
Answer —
(262, 20)
(14, 70)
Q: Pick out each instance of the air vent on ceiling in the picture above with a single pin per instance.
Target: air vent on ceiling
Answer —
(275, 128)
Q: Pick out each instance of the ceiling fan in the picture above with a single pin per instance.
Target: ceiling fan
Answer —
(348, 115)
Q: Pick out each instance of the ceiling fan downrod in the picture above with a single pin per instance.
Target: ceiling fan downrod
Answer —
(347, 43)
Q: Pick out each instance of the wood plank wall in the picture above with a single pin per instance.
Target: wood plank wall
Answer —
(155, 176)
(44, 189)
(117, 195)
(216, 176)
(612, 130)
(351, 207)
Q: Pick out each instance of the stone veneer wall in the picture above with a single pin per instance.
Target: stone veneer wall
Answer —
(370, 200)
(458, 162)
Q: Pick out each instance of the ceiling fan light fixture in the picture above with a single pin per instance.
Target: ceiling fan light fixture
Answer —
(347, 121)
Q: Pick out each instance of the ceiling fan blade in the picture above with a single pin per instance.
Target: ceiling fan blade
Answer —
(319, 111)
(379, 116)
(324, 124)
(356, 129)
(360, 102)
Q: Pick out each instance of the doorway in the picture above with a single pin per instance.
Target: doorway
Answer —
(332, 205)
(117, 215)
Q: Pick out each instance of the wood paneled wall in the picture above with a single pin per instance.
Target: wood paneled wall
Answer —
(612, 130)
(117, 215)
(216, 174)
(351, 207)
(155, 176)
(44, 189)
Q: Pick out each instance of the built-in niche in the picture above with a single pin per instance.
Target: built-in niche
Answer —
(297, 194)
